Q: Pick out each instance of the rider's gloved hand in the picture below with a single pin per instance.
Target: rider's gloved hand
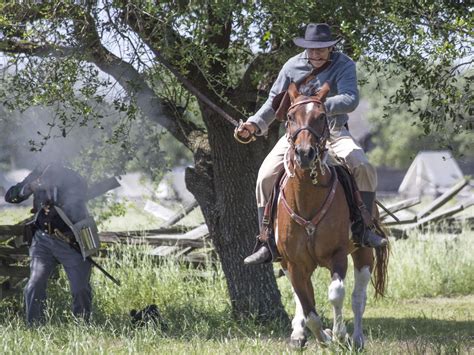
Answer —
(246, 130)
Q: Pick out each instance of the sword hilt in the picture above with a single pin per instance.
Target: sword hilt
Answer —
(250, 139)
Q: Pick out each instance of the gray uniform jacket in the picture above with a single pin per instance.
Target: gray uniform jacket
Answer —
(341, 76)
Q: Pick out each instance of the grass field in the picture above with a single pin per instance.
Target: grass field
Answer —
(429, 307)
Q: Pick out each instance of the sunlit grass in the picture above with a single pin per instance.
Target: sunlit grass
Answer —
(428, 308)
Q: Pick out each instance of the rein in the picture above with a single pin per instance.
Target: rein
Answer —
(310, 226)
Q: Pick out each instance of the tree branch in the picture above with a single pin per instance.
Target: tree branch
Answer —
(144, 25)
(91, 49)
(37, 49)
(195, 84)
(248, 89)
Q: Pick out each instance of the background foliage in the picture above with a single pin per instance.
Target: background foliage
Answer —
(397, 136)
(417, 55)
(72, 57)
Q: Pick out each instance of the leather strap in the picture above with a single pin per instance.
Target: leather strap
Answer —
(310, 226)
(303, 102)
(272, 201)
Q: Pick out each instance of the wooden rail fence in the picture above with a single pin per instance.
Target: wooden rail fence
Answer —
(194, 246)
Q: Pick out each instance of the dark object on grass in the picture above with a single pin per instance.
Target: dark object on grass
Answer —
(148, 315)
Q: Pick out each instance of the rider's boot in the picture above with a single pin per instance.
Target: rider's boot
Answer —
(263, 253)
(362, 233)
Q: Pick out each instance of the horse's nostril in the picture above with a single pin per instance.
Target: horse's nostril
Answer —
(298, 150)
(305, 154)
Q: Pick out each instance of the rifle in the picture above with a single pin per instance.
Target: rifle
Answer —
(102, 187)
(109, 276)
(75, 246)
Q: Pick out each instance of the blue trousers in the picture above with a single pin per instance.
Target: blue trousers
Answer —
(46, 252)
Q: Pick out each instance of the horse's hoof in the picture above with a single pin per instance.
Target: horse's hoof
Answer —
(339, 335)
(358, 343)
(325, 337)
(297, 344)
(328, 332)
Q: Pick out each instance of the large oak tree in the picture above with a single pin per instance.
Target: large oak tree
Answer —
(157, 54)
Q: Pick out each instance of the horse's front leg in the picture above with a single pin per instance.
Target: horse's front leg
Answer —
(359, 299)
(301, 281)
(298, 336)
(363, 263)
(336, 293)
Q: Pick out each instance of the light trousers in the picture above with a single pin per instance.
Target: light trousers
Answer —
(340, 144)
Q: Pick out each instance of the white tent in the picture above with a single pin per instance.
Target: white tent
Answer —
(431, 173)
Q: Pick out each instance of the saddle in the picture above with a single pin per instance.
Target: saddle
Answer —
(357, 209)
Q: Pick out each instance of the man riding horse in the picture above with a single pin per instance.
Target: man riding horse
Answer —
(310, 69)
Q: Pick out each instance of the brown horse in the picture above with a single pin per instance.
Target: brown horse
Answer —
(312, 226)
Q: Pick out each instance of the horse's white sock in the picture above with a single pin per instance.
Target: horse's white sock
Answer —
(359, 298)
(336, 292)
(336, 295)
(298, 322)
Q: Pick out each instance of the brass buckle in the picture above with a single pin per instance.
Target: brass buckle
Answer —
(61, 236)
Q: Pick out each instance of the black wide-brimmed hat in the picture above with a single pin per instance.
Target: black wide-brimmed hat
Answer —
(317, 35)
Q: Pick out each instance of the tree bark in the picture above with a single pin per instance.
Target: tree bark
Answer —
(223, 183)
(222, 180)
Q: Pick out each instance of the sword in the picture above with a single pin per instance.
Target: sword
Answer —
(204, 99)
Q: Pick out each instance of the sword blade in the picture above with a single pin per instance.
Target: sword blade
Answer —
(195, 91)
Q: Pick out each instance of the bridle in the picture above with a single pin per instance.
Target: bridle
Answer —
(320, 137)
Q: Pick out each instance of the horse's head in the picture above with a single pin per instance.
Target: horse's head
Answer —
(306, 125)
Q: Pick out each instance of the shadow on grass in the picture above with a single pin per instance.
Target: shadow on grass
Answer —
(407, 329)
(205, 322)
(189, 322)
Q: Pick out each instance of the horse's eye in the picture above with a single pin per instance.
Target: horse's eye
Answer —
(290, 117)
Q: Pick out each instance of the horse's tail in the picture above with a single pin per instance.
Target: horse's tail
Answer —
(380, 278)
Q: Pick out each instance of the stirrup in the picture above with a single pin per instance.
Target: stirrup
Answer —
(372, 240)
(261, 256)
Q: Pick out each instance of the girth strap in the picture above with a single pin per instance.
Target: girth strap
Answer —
(310, 226)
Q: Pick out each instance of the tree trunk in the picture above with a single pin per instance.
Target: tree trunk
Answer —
(225, 200)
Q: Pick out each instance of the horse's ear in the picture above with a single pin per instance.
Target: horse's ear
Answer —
(323, 91)
(293, 92)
